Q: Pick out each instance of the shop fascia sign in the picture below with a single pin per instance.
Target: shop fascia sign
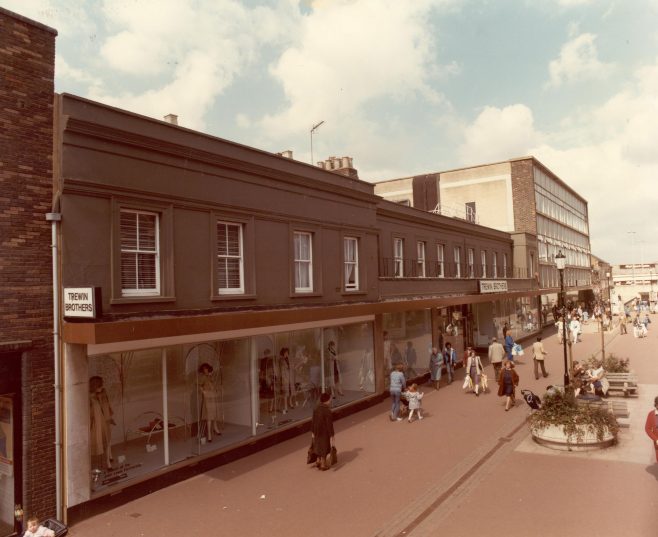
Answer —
(82, 302)
(493, 286)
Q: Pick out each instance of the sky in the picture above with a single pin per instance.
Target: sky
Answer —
(403, 86)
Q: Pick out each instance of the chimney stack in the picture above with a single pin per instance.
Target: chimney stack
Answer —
(341, 165)
(286, 154)
(171, 118)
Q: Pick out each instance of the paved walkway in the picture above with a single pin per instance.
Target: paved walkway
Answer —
(469, 468)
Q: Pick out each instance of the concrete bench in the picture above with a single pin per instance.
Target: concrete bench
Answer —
(623, 382)
(619, 409)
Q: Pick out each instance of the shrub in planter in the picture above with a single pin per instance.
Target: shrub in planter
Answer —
(612, 363)
(560, 410)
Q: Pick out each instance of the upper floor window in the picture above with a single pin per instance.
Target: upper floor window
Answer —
(140, 253)
(440, 260)
(504, 265)
(483, 259)
(457, 257)
(303, 262)
(471, 263)
(230, 258)
(398, 257)
(420, 259)
(351, 260)
(494, 264)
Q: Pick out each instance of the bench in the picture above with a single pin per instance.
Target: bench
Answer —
(619, 409)
(623, 382)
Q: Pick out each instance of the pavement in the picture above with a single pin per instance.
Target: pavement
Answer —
(469, 468)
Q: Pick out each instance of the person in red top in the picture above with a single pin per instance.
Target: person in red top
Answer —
(652, 426)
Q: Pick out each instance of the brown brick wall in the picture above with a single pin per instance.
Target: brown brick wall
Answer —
(27, 61)
(523, 192)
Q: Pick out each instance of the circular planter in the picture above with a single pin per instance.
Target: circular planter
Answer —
(553, 437)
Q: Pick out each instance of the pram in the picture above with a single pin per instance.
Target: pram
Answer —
(534, 402)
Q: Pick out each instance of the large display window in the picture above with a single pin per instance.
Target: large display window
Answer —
(152, 408)
(407, 340)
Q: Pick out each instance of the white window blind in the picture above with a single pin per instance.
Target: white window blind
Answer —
(230, 260)
(140, 253)
(351, 256)
(303, 262)
(398, 255)
(420, 259)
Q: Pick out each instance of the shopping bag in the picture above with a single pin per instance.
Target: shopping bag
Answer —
(333, 456)
(517, 350)
(311, 456)
(468, 383)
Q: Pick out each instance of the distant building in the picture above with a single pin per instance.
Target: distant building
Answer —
(635, 281)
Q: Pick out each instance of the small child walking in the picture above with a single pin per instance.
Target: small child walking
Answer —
(34, 529)
(414, 397)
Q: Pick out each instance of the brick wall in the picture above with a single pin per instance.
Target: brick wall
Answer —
(523, 192)
(27, 58)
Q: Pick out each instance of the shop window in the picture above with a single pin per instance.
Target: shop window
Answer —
(303, 261)
(140, 253)
(351, 263)
(230, 258)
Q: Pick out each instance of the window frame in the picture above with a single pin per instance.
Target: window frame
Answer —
(228, 291)
(137, 251)
(457, 259)
(308, 262)
(494, 264)
(421, 264)
(505, 265)
(470, 263)
(440, 260)
(483, 262)
(398, 257)
(355, 263)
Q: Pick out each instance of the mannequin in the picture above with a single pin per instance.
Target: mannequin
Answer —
(334, 370)
(210, 401)
(100, 422)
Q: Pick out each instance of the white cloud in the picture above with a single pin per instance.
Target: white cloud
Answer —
(578, 60)
(499, 134)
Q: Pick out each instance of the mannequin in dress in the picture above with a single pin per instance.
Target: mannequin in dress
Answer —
(100, 422)
(210, 401)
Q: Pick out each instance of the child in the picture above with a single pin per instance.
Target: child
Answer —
(35, 530)
(414, 397)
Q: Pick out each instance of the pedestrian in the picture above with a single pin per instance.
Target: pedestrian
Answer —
(651, 426)
(414, 397)
(622, 324)
(538, 357)
(474, 370)
(507, 382)
(496, 355)
(574, 327)
(560, 330)
(509, 344)
(322, 431)
(450, 360)
(436, 363)
(398, 383)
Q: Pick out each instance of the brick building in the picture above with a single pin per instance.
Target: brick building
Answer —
(27, 452)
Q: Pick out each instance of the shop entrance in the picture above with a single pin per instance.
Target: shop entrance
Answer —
(10, 434)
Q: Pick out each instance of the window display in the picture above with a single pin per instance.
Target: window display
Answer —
(407, 340)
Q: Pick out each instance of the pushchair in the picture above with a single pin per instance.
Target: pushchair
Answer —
(533, 400)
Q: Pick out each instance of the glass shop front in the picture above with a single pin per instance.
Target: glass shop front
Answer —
(149, 409)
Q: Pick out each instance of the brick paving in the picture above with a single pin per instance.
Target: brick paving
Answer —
(468, 469)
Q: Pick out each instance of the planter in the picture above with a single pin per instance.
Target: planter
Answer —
(553, 437)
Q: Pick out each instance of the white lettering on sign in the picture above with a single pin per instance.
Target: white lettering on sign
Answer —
(79, 302)
(493, 286)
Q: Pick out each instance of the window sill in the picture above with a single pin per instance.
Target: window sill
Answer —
(357, 292)
(142, 299)
(304, 295)
(224, 298)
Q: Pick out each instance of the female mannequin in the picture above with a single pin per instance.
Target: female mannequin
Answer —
(100, 421)
(334, 370)
(210, 401)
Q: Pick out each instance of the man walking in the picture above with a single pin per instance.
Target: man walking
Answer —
(622, 323)
(496, 355)
(538, 358)
(450, 359)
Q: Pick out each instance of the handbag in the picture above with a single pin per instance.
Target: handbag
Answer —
(468, 383)
(311, 456)
(333, 456)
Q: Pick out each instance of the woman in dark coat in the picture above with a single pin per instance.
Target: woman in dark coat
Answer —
(322, 431)
(508, 380)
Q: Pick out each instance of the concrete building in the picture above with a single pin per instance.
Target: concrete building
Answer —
(635, 281)
(520, 196)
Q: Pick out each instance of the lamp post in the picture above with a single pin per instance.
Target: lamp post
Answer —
(561, 261)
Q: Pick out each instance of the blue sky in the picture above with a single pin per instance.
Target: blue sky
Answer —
(404, 87)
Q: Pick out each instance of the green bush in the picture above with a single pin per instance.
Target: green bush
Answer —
(561, 410)
(612, 363)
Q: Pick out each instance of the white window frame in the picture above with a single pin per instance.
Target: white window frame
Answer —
(223, 259)
(351, 263)
(301, 263)
(483, 259)
(398, 258)
(137, 251)
(505, 266)
(494, 264)
(420, 261)
(457, 257)
(471, 262)
(440, 260)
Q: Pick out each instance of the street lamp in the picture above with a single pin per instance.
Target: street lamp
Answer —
(561, 261)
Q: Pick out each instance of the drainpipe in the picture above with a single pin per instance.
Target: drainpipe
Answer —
(54, 218)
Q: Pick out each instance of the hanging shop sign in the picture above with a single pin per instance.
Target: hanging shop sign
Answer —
(493, 286)
(82, 302)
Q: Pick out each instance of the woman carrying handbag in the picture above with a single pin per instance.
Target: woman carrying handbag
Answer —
(322, 432)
